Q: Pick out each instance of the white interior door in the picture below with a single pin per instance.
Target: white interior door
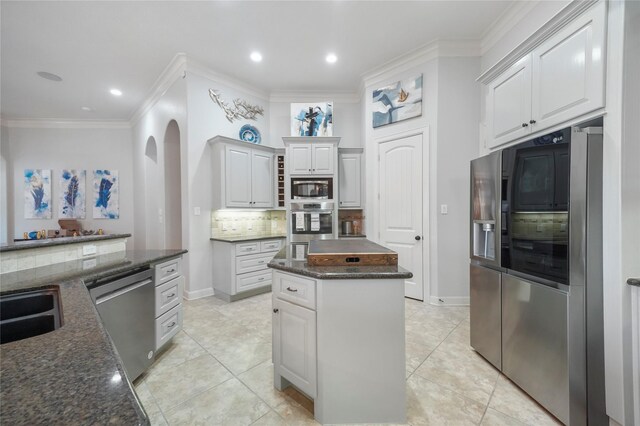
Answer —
(400, 173)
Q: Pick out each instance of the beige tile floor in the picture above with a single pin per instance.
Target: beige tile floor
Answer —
(218, 371)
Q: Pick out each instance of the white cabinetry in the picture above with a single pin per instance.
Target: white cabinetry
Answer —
(294, 332)
(350, 178)
(559, 80)
(311, 156)
(243, 174)
(240, 268)
(169, 284)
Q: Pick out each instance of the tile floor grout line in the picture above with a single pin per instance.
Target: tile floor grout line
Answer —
(495, 385)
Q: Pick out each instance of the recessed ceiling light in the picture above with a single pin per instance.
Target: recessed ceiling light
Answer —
(88, 109)
(256, 56)
(49, 76)
(115, 92)
(331, 58)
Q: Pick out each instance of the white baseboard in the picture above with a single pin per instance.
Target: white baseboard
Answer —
(198, 294)
(449, 301)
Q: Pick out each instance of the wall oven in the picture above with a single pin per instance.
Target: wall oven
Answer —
(311, 221)
(312, 188)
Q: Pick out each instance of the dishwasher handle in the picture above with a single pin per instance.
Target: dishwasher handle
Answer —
(120, 292)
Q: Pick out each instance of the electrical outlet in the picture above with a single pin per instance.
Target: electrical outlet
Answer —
(89, 249)
(196, 211)
(249, 226)
(444, 209)
(225, 226)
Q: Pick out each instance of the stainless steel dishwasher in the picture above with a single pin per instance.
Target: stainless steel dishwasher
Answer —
(126, 304)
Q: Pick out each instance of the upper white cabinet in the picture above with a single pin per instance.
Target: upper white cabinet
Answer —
(311, 155)
(559, 80)
(509, 109)
(349, 175)
(568, 71)
(243, 174)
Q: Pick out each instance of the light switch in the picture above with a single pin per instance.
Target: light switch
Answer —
(444, 209)
(89, 249)
(196, 211)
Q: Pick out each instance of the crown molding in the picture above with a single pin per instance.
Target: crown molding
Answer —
(552, 26)
(198, 68)
(171, 73)
(314, 96)
(414, 58)
(505, 23)
(58, 123)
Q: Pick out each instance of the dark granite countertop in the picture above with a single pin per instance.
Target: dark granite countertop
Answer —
(49, 242)
(293, 258)
(72, 375)
(255, 237)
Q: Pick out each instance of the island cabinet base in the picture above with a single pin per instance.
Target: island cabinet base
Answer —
(342, 342)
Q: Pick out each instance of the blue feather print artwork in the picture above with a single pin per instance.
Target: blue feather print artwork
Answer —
(106, 194)
(72, 194)
(37, 194)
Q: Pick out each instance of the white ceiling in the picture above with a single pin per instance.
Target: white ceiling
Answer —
(95, 45)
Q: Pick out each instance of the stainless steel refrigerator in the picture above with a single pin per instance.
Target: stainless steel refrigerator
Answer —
(536, 269)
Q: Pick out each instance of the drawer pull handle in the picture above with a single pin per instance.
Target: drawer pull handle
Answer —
(261, 279)
(170, 271)
(171, 325)
(262, 261)
(275, 311)
(292, 290)
(169, 296)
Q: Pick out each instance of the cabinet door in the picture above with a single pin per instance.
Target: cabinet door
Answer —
(322, 159)
(262, 179)
(237, 177)
(349, 178)
(509, 104)
(568, 71)
(295, 345)
(299, 159)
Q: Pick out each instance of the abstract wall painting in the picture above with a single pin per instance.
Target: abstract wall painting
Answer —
(72, 194)
(399, 101)
(312, 119)
(106, 194)
(37, 194)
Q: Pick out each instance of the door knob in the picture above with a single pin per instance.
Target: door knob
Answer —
(418, 237)
(634, 282)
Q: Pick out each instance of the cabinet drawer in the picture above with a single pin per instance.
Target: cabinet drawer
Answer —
(251, 263)
(271, 245)
(247, 248)
(295, 289)
(169, 295)
(168, 270)
(253, 280)
(168, 325)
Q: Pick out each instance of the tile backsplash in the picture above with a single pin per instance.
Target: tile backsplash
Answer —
(229, 223)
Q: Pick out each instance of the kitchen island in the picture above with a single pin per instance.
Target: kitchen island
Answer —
(338, 337)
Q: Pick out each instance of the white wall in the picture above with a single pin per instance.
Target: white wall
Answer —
(57, 149)
(346, 118)
(458, 117)
(206, 120)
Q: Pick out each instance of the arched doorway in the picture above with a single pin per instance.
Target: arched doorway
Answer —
(153, 191)
(172, 187)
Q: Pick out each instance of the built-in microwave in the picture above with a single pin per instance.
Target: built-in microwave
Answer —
(312, 188)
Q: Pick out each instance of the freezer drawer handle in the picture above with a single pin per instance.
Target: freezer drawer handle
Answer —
(634, 282)
(293, 290)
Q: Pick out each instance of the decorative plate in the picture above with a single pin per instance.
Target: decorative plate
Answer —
(249, 133)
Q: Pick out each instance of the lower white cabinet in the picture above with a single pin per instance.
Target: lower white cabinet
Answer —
(294, 354)
(240, 268)
(169, 284)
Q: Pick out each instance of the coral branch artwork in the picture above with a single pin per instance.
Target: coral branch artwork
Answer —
(106, 194)
(240, 108)
(72, 194)
(37, 194)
